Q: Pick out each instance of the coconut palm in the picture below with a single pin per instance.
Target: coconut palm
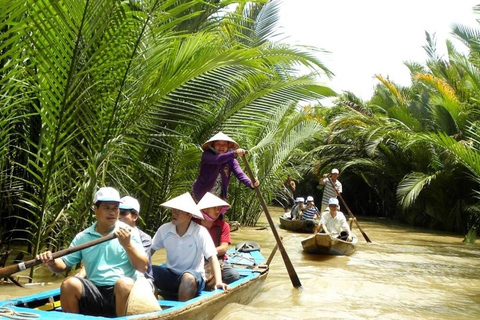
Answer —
(122, 93)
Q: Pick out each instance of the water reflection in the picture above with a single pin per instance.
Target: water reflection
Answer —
(405, 273)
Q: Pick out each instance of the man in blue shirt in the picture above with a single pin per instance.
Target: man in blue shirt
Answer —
(111, 266)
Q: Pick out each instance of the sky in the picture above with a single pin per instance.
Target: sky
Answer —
(368, 37)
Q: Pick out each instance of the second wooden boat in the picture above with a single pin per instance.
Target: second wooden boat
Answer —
(306, 226)
(322, 243)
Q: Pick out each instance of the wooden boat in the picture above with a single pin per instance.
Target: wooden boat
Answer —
(234, 225)
(205, 306)
(322, 243)
(306, 226)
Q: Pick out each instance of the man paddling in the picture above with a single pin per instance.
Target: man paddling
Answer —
(328, 190)
(111, 266)
(334, 223)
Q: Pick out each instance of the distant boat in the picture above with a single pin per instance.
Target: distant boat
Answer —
(306, 226)
(322, 243)
(207, 305)
(234, 225)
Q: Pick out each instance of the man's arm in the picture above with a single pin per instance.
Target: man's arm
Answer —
(346, 227)
(55, 265)
(322, 180)
(138, 259)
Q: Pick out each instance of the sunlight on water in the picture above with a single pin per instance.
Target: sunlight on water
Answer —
(405, 273)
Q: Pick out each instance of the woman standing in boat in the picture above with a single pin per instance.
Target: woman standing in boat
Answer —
(218, 163)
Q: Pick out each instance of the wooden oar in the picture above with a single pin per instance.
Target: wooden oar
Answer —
(348, 209)
(272, 254)
(7, 271)
(288, 264)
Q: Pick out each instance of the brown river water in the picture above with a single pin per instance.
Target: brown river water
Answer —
(405, 273)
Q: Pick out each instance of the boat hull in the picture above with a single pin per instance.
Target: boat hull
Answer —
(205, 306)
(322, 243)
(305, 226)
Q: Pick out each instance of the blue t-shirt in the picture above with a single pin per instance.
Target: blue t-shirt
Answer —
(106, 262)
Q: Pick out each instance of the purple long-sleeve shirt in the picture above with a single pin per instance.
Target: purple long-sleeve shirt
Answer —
(211, 165)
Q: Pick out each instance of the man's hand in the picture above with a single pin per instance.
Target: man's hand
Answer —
(255, 183)
(46, 258)
(55, 265)
(123, 235)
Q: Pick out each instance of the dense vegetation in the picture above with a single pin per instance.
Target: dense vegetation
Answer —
(412, 153)
(123, 93)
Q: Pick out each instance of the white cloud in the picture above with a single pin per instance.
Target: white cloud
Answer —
(372, 36)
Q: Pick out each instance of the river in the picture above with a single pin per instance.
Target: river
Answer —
(405, 273)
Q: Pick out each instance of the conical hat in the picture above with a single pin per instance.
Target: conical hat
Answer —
(141, 298)
(210, 200)
(220, 137)
(185, 203)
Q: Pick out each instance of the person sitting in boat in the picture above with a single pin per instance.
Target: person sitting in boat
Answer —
(217, 164)
(111, 266)
(211, 207)
(333, 222)
(295, 213)
(130, 213)
(187, 245)
(310, 211)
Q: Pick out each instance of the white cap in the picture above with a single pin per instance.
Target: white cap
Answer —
(309, 198)
(299, 199)
(335, 171)
(185, 203)
(220, 137)
(129, 203)
(108, 194)
(333, 202)
(210, 200)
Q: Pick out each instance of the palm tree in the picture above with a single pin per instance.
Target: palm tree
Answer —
(102, 92)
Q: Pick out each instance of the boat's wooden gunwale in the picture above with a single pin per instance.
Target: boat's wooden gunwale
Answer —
(324, 244)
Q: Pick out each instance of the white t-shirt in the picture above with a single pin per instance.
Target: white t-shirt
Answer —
(335, 225)
(187, 252)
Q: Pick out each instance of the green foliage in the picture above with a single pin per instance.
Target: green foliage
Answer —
(413, 152)
(123, 93)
